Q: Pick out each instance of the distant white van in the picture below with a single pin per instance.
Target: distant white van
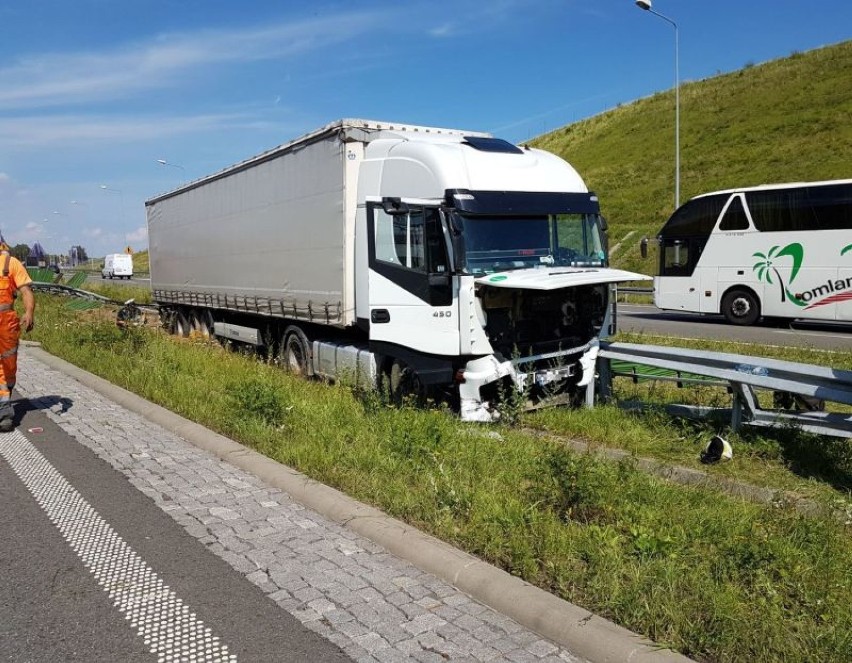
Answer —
(117, 265)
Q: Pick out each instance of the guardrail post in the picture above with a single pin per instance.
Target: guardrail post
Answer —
(604, 379)
(736, 411)
(744, 405)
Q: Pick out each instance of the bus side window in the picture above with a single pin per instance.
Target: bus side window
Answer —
(735, 216)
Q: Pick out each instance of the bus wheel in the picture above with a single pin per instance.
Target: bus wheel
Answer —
(740, 307)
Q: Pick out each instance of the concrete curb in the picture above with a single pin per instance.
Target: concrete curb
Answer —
(575, 628)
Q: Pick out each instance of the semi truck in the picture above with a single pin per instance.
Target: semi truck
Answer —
(417, 260)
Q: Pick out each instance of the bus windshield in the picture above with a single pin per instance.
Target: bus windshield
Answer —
(502, 243)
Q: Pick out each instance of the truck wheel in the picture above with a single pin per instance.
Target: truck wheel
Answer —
(740, 307)
(404, 383)
(180, 324)
(198, 323)
(295, 351)
(207, 323)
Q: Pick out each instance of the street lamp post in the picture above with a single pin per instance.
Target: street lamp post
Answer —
(163, 162)
(646, 5)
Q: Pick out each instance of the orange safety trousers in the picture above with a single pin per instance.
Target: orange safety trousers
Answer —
(10, 334)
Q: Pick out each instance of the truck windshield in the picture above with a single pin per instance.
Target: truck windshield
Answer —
(502, 243)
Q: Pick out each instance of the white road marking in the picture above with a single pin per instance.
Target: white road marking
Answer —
(165, 623)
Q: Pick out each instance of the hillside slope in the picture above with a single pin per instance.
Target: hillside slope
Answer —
(782, 121)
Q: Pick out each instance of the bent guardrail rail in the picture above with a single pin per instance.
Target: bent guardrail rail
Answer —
(743, 374)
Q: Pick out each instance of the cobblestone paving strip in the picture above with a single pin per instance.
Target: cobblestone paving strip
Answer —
(370, 603)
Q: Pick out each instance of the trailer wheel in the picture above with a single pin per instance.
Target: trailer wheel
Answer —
(207, 321)
(740, 307)
(198, 320)
(295, 352)
(180, 324)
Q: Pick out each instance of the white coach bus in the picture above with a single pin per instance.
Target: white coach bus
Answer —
(774, 251)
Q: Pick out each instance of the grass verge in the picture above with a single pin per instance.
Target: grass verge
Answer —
(714, 577)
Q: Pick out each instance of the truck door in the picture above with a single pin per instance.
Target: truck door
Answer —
(413, 301)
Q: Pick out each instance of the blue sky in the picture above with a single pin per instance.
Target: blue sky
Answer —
(94, 92)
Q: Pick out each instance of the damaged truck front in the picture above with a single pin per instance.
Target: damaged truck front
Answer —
(534, 270)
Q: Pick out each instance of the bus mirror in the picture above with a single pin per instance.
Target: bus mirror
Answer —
(643, 247)
(604, 225)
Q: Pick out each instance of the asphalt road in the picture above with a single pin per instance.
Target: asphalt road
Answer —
(137, 281)
(66, 565)
(799, 333)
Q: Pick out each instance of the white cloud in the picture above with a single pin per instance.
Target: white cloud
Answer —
(138, 235)
(445, 30)
(77, 78)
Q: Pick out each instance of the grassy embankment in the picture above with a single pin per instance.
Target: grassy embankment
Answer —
(715, 577)
(783, 121)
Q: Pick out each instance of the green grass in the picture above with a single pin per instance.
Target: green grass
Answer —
(716, 578)
(782, 121)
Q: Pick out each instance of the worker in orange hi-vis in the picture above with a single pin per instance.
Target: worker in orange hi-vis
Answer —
(13, 279)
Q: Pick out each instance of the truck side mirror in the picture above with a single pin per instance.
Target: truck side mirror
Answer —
(643, 247)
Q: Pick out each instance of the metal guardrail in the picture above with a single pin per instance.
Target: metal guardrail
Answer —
(61, 288)
(637, 291)
(743, 375)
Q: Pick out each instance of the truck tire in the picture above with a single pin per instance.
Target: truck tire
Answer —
(404, 384)
(207, 321)
(296, 352)
(180, 324)
(741, 307)
(200, 323)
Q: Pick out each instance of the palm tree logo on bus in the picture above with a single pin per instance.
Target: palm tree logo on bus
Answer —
(766, 267)
(846, 249)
